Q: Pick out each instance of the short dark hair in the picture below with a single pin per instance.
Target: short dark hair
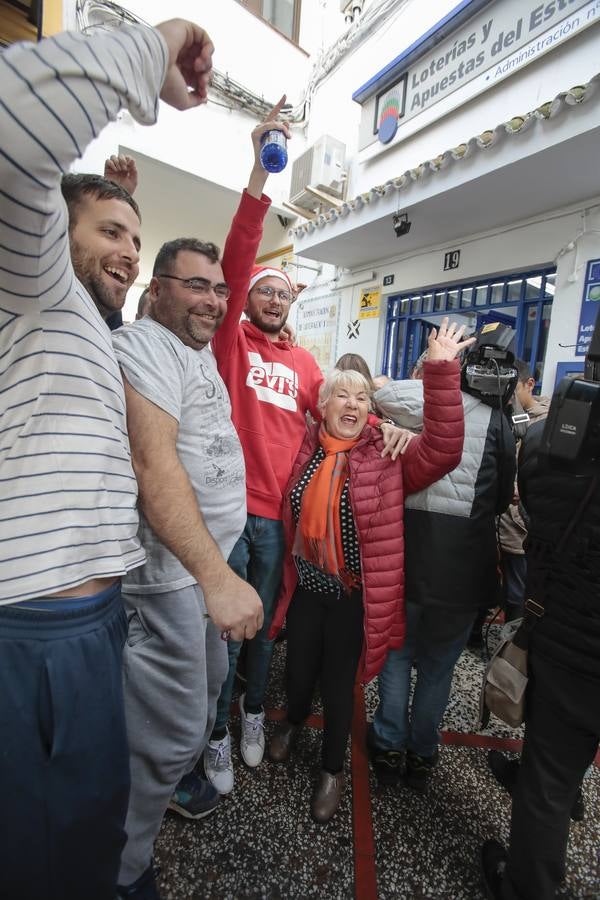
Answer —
(166, 256)
(75, 186)
(523, 371)
(142, 302)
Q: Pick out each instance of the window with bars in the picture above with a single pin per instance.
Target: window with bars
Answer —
(523, 299)
(284, 15)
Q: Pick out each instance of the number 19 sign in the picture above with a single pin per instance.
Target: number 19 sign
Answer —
(451, 260)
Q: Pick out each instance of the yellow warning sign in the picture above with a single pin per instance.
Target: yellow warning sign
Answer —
(370, 304)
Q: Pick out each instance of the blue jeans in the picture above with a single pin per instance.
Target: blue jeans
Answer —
(258, 559)
(64, 777)
(434, 640)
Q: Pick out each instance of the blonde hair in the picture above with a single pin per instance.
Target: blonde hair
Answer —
(346, 378)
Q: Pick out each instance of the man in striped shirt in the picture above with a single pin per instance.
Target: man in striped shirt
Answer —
(68, 523)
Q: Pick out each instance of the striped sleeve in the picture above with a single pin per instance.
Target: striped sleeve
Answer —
(56, 98)
(67, 488)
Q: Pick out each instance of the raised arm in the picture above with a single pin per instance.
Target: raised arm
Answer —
(438, 449)
(169, 503)
(56, 97)
(243, 240)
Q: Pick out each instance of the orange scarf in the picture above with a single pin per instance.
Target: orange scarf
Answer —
(318, 535)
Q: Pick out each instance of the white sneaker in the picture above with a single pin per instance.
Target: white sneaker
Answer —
(252, 743)
(218, 766)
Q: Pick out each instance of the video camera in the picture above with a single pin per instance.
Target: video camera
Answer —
(571, 437)
(488, 371)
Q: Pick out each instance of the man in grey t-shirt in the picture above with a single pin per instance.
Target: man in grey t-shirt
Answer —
(184, 384)
(190, 470)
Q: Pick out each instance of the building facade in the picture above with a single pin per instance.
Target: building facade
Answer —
(193, 166)
(471, 131)
(465, 184)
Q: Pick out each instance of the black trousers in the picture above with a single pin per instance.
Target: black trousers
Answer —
(324, 644)
(561, 739)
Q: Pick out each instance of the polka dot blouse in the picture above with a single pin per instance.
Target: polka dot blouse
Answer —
(310, 577)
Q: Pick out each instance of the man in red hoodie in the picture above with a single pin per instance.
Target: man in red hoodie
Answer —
(272, 386)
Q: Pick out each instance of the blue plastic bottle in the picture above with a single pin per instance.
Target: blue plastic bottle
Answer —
(273, 152)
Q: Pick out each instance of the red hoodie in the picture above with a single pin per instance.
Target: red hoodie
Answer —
(272, 385)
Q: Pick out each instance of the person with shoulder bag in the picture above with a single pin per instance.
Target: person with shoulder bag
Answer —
(562, 699)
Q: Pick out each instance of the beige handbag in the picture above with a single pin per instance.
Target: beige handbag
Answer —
(505, 680)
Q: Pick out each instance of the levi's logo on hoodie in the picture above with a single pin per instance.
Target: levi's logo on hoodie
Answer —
(273, 382)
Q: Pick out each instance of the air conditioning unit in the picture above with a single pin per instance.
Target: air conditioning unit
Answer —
(322, 166)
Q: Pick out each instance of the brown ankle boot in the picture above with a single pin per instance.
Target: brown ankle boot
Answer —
(327, 795)
(282, 742)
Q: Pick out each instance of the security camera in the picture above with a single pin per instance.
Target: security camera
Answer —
(401, 224)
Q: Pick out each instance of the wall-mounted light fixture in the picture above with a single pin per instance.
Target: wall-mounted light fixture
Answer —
(401, 224)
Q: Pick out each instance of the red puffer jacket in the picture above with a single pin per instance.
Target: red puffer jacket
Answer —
(377, 489)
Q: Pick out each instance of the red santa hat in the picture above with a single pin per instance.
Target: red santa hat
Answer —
(259, 272)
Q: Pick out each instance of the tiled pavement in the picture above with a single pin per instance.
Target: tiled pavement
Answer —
(387, 843)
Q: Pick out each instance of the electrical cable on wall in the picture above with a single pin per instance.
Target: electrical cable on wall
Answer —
(94, 14)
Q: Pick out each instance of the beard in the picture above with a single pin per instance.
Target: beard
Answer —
(201, 333)
(265, 325)
(89, 272)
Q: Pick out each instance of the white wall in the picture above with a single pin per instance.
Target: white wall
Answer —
(236, 30)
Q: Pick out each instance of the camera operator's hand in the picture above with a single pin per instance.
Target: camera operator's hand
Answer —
(446, 343)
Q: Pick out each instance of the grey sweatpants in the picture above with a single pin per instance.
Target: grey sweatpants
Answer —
(174, 665)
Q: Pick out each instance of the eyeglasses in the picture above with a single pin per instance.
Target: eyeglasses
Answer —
(269, 292)
(201, 286)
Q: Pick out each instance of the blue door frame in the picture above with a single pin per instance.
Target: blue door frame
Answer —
(409, 315)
